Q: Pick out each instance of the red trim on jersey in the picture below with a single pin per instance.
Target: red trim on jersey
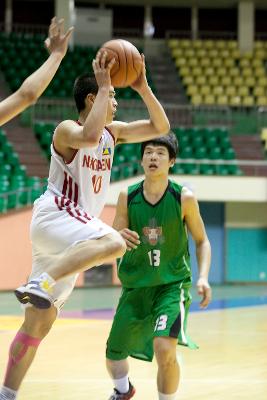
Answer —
(68, 186)
(71, 209)
(111, 134)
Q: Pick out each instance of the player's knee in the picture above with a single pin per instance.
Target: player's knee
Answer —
(165, 353)
(39, 322)
(118, 245)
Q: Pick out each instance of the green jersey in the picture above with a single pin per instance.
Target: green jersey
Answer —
(162, 256)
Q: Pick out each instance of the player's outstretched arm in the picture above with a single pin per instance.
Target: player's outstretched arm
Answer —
(35, 84)
(121, 223)
(157, 124)
(196, 227)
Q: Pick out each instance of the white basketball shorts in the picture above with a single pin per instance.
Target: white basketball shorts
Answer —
(56, 226)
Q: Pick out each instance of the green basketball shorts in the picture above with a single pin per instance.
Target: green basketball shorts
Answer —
(145, 313)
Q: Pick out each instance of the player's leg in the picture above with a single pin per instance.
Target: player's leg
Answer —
(36, 325)
(63, 246)
(87, 254)
(168, 368)
(118, 371)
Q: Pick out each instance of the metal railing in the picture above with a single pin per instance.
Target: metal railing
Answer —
(21, 197)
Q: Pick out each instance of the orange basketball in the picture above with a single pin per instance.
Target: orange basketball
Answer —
(128, 62)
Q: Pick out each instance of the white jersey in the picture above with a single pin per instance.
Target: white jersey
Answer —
(85, 179)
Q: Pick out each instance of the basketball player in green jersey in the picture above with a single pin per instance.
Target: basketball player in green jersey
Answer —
(153, 217)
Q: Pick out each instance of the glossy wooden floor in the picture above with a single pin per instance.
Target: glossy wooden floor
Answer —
(230, 364)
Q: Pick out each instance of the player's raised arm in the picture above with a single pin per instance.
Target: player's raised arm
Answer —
(35, 84)
(121, 223)
(142, 130)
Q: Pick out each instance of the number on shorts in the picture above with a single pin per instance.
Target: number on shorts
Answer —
(161, 323)
(154, 257)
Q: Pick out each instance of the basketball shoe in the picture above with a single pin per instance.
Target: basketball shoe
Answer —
(37, 292)
(123, 396)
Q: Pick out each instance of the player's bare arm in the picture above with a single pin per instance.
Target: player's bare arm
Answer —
(35, 84)
(121, 223)
(69, 135)
(196, 227)
(158, 123)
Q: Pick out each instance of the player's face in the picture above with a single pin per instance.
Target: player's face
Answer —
(112, 105)
(156, 160)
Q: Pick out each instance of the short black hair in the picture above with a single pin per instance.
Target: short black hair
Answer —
(84, 85)
(169, 141)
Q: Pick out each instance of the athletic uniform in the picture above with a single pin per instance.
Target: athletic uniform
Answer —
(156, 277)
(67, 212)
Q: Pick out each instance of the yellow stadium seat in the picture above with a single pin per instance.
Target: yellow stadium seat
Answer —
(192, 90)
(180, 62)
(242, 91)
(232, 44)
(188, 80)
(205, 90)
(196, 71)
(262, 81)
(214, 80)
(248, 101)
(221, 44)
(235, 101)
(225, 53)
(201, 80)
(204, 62)
(209, 44)
(226, 81)
(201, 53)
(218, 90)
(197, 44)
(222, 100)
(250, 81)
(259, 72)
(185, 43)
(247, 71)
(261, 101)
(256, 62)
(192, 62)
(259, 91)
(258, 44)
(184, 71)
(216, 62)
(234, 72)
(236, 54)
(221, 71)
(209, 71)
(229, 62)
(177, 52)
(244, 62)
(230, 91)
(264, 134)
(189, 52)
(238, 81)
(261, 53)
(213, 53)
(196, 100)
(209, 99)
(172, 43)
(248, 54)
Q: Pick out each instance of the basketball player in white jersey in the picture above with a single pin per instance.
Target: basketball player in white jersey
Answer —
(35, 84)
(67, 237)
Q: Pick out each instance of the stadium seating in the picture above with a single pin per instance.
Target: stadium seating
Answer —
(214, 72)
(32, 54)
(16, 188)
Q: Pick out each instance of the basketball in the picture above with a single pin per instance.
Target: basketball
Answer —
(128, 62)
